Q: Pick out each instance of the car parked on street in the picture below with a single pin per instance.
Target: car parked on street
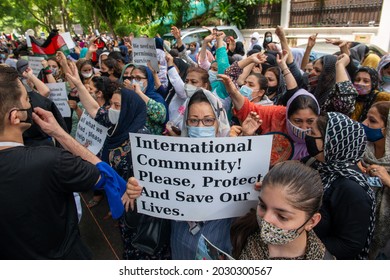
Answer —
(197, 34)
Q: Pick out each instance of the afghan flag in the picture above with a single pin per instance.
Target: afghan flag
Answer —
(52, 44)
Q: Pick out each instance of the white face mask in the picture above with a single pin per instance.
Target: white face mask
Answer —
(113, 115)
(190, 89)
(86, 75)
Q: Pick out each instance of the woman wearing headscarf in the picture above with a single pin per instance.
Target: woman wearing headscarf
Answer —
(366, 82)
(329, 83)
(214, 123)
(384, 73)
(142, 82)
(255, 36)
(348, 209)
(376, 162)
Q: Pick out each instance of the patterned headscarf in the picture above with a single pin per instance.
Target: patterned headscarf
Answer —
(344, 145)
(368, 99)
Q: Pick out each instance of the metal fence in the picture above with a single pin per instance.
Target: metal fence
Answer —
(312, 13)
(264, 16)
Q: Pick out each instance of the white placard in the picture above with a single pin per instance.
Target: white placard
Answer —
(68, 40)
(59, 96)
(78, 29)
(34, 62)
(90, 134)
(144, 50)
(198, 179)
(28, 40)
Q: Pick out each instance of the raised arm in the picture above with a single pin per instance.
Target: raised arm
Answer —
(39, 85)
(50, 126)
(90, 104)
(306, 56)
(279, 31)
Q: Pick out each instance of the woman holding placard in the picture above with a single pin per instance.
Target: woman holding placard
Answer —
(204, 117)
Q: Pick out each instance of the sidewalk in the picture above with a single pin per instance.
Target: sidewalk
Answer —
(100, 234)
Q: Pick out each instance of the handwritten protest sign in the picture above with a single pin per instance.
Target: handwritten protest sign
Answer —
(59, 96)
(90, 134)
(144, 50)
(198, 179)
(34, 62)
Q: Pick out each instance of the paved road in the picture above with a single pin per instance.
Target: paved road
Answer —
(100, 233)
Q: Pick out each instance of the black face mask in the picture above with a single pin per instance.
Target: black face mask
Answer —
(104, 74)
(311, 145)
(126, 78)
(29, 115)
(271, 90)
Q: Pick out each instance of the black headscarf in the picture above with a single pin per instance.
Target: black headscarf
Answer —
(132, 118)
(368, 99)
(326, 80)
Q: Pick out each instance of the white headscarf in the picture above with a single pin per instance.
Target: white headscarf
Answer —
(219, 111)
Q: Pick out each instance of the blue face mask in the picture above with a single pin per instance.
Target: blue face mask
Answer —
(140, 83)
(268, 39)
(246, 91)
(212, 76)
(386, 79)
(201, 131)
(373, 134)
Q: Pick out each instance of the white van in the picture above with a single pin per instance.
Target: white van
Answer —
(197, 34)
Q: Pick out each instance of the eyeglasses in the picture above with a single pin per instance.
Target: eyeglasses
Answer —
(205, 122)
(137, 78)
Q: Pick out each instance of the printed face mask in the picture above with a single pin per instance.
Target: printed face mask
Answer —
(53, 71)
(271, 234)
(373, 134)
(113, 115)
(201, 131)
(311, 145)
(297, 131)
(361, 89)
(190, 89)
(246, 91)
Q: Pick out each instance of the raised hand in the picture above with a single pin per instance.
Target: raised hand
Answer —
(251, 124)
(312, 40)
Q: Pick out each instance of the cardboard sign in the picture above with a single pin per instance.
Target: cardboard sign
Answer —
(90, 134)
(198, 179)
(144, 50)
(34, 62)
(59, 96)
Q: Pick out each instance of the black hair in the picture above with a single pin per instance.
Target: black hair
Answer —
(302, 102)
(304, 191)
(105, 85)
(117, 56)
(261, 79)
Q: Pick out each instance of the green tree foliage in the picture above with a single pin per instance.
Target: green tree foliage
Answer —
(235, 11)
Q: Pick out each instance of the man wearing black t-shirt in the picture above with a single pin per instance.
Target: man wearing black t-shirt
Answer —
(39, 218)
